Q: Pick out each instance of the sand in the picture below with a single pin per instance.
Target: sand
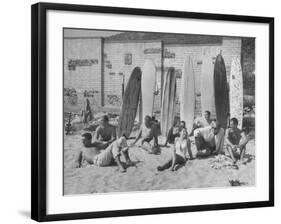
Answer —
(198, 173)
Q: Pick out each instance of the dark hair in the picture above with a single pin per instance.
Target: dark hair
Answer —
(234, 120)
(183, 123)
(208, 112)
(105, 118)
(87, 135)
(147, 117)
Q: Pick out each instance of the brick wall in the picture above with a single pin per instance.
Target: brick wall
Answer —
(230, 47)
(196, 52)
(115, 66)
(120, 58)
(82, 67)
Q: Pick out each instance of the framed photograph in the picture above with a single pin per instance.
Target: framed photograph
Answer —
(140, 111)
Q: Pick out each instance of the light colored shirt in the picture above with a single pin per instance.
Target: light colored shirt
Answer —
(205, 132)
(147, 132)
(208, 135)
(181, 147)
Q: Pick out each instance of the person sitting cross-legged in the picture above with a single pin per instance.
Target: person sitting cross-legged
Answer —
(147, 133)
(236, 140)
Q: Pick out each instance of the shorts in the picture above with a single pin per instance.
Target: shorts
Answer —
(106, 157)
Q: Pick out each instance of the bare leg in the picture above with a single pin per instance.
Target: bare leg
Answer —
(242, 145)
(242, 153)
(127, 158)
(230, 151)
(173, 161)
(121, 168)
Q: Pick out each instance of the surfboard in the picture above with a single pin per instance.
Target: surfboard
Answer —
(148, 86)
(207, 86)
(130, 103)
(168, 101)
(187, 94)
(139, 116)
(221, 92)
(236, 91)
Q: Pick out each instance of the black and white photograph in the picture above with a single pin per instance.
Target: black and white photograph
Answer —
(154, 111)
(149, 111)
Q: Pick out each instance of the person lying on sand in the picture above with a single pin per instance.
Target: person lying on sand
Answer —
(146, 134)
(105, 133)
(105, 157)
(180, 148)
(236, 140)
(209, 140)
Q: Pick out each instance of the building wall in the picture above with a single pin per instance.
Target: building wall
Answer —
(196, 52)
(115, 66)
(120, 58)
(230, 48)
(82, 67)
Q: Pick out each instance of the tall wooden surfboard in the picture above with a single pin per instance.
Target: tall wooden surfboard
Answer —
(221, 92)
(168, 101)
(148, 87)
(236, 91)
(207, 86)
(130, 103)
(187, 94)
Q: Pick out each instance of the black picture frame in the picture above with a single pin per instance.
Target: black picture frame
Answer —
(39, 108)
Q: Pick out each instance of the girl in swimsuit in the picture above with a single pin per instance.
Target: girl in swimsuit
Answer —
(180, 149)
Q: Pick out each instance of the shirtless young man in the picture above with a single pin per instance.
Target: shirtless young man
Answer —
(105, 157)
(235, 139)
(146, 134)
(105, 134)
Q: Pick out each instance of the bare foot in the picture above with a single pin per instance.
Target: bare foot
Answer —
(122, 170)
(160, 168)
(172, 169)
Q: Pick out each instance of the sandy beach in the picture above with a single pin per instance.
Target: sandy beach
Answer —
(210, 172)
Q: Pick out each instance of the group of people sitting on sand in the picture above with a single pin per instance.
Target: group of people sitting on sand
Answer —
(104, 148)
